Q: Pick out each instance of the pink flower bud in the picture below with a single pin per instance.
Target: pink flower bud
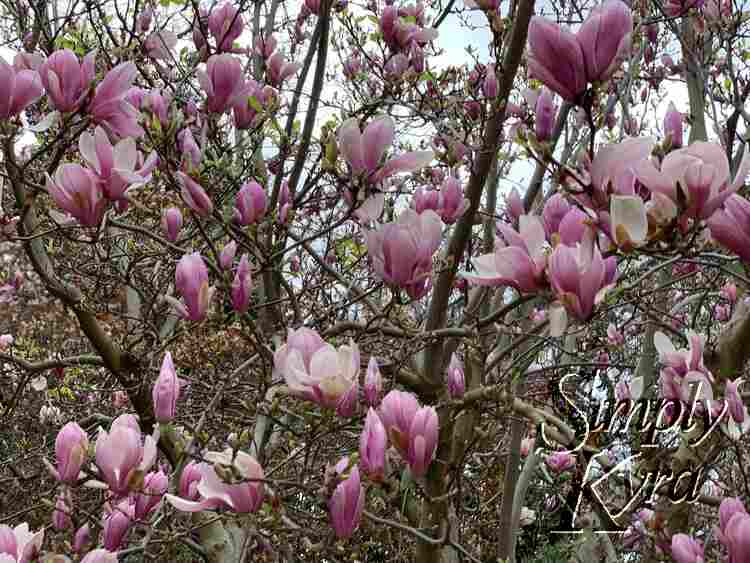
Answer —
(729, 292)
(160, 44)
(100, 556)
(145, 18)
(555, 57)
(191, 280)
(452, 202)
(71, 446)
(194, 195)
(191, 152)
(514, 205)
(171, 223)
(226, 257)
(559, 462)
(117, 524)
(545, 115)
(456, 383)
(242, 286)
(166, 391)
(346, 505)
(225, 25)
(687, 550)
(82, 538)
(251, 203)
(278, 71)
(423, 438)
(605, 39)
(373, 383)
(121, 452)
(673, 126)
(63, 507)
(373, 443)
(489, 84)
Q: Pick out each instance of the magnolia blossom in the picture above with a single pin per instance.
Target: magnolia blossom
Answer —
(278, 70)
(373, 443)
(243, 494)
(559, 462)
(122, 452)
(160, 44)
(701, 171)
(191, 280)
(225, 24)
(155, 484)
(373, 383)
(731, 226)
(401, 252)
(222, 81)
(78, 191)
(579, 277)
(19, 544)
(565, 62)
(242, 286)
(519, 262)
(67, 81)
(455, 377)
(317, 371)
(71, 448)
(166, 391)
(364, 151)
(251, 203)
(114, 166)
(346, 504)
(109, 106)
(687, 550)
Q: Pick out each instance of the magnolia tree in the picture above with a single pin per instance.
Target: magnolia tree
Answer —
(268, 296)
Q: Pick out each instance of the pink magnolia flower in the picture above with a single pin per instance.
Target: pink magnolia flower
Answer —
(519, 262)
(363, 151)
(614, 170)
(225, 24)
(553, 213)
(157, 103)
(6, 340)
(242, 496)
(63, 507)
(490, 86)
(346, 505)
(171, 223)
(251, 203)
(455, 377)
(555, 57)
(373, 443)
(117, 523)
(121, 452)
(737, 408)
(687, 550)
(321, 374)
(265, 46)
(730, 226)
(160, 44)
(71, 447)
(249, 105)
(373, 383)
(401, 252)
(100, 556)
(702, 173)
(426, 198)
(194, 195)
(682, 361)
(155, 484)
(423, 439)
(189, 479)
(605, 39)
(226, 257)
(558, 462)
(191, 152)
(729, 292)
(166, 391)
(222, 81)
(545, 111)
(242, 286)
(114, 166)
(514, 205)
(191, 280)
(614, 336)
(67, 81)
(578, 277)
(19, 88)
(397, 410)
(453, 204)
(673, 126)
(19, 544)
(82, 538)
(278, 70)
(109, 106)
(77, 190)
